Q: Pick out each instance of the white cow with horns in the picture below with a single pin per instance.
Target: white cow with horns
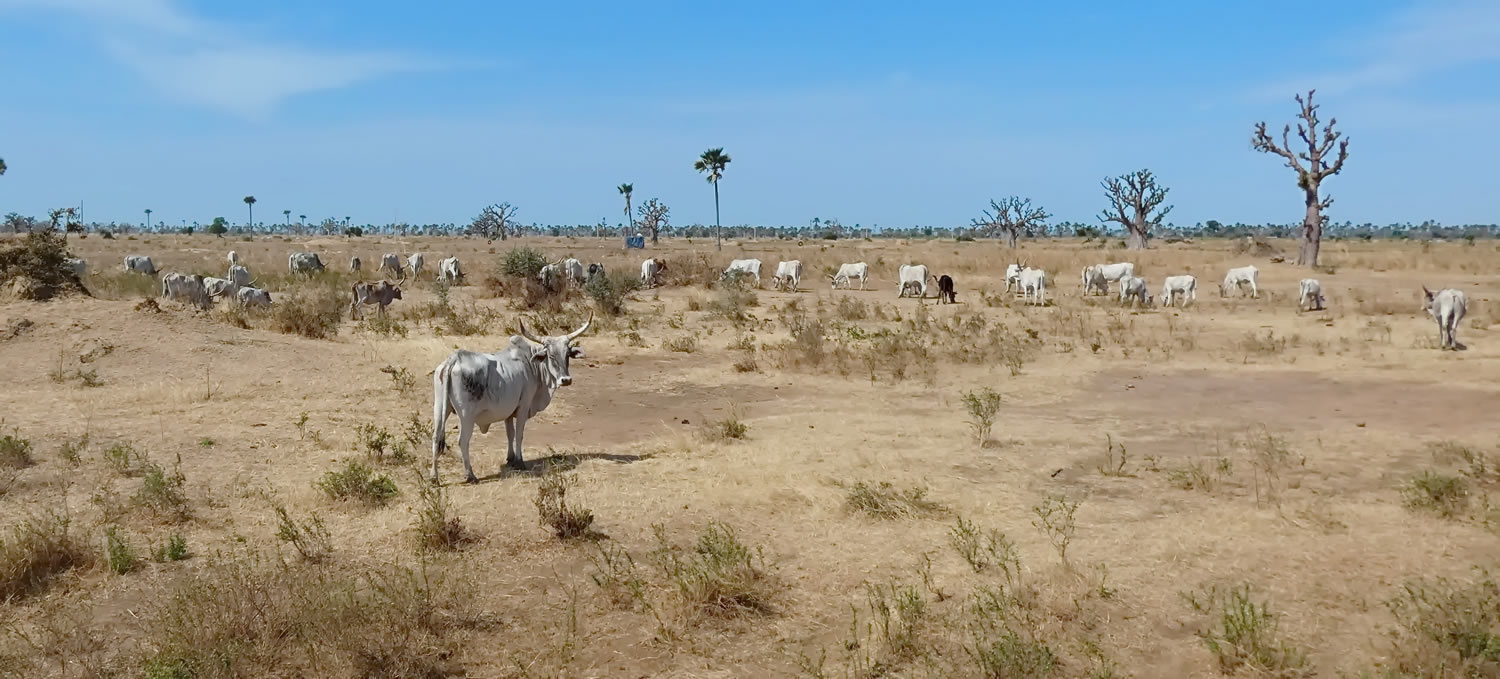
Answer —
(513, 384)
(848, 273)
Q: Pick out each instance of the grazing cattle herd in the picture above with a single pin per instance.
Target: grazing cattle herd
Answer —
(1447, 306)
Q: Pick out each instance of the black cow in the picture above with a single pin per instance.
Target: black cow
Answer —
(945, 289)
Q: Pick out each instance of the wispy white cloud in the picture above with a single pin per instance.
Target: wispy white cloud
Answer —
(1426, 39)
(211, 64)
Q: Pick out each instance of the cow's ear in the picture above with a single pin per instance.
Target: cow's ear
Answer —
(539, 354)
(575, 352)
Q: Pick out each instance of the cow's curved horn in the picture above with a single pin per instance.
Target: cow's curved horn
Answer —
(580, 331)
(527, 333)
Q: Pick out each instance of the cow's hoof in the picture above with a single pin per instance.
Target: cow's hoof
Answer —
(472, 479)
(516, 464)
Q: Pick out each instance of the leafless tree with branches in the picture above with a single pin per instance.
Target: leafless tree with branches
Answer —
(493, 221)
(1311, 175)
(654, 216)
(1011, 218)
(1133, 198)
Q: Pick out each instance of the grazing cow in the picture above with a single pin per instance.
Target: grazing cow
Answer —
(239, 275)
(1240, 276)
(186, 289)
(913, 276)
(789, 274)
(1309, 294)
(651, 270)
(415, 261)
(391, 262)
(449, 272)
(219, 287)
(355, 264)
(595, 269)
(1104, 273)
(1184, 285)
(249, 297)
(1447, 307)
(849, 272)
(513, 384)
(1013, 277)
(1034, 285)
(381, 294)
(79, 267)
(945, 289)
(140, 264)
(1133, 289)
(234, 258)
(738, 267)
(304, 262)
(550, 275)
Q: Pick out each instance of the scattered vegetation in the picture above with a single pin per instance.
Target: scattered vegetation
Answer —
(437, 529)
(1443, 494)
(685, 344)
(38, 550)
(313, 314)
(310, 537)
(886, 501)
(162, 491)
(15, 452)
(1445, 628)
(1054, 518)
(982, 549)
(1115, 458)
(118, 554)
(174, 549)
(719, 576)
(1244, 635)
(568, 522)
(1201, 475)
(36, 267)
(982, 407)
(729, 428)
(356, 481)
(610, 291)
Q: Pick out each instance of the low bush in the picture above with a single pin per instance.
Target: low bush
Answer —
(719, 576)
(436, 526)
(568, 522)
(39, 550)
(356, 481)
(118, 553)
(162, 492)
(314, 314)
(609, 291)
(310, 537)
(1446, 495)
(885, 501)
(36, 267)
(15, 452)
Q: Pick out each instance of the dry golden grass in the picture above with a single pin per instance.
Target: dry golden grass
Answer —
(1270, 453)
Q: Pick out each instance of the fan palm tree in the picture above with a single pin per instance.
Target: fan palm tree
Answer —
(148, 219)
(302, 220)
(288, 215)
(712, 163)
(625, 190)
(250, 203)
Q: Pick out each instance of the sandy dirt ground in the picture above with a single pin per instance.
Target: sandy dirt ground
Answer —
(1265, 447)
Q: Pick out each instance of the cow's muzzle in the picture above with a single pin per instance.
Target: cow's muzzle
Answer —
(564, 381)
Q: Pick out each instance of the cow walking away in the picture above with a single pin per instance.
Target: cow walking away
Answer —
(1447, 307)
(513, 384)
(1309, 295)
(449, 271)
(788, 275)
(391, 262)
(1034, 286)
(304, 262)
(188, 289)
(415, 261)
(355, 264)
(913, 279)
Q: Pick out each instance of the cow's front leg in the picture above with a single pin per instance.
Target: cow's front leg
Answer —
(511, 447)
(518, 461)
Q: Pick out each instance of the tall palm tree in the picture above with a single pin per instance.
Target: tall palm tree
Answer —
(288, 215)
(625, 190)
(712, 162)
(302, 220)
(148, 219)
(250, 203)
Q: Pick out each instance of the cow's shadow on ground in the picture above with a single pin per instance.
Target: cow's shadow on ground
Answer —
(558, 462)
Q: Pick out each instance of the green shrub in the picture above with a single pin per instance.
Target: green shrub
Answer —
(568, 522)
(310, 538)
(358, 482)
(609, 290)
(117, 550)
(15, 452)
(436, 527)
(523, 262)
(982, 407)
(720, 576)
(1446, 495)
(162, 491)
(314, 315)
(174, 549)
(36, 267)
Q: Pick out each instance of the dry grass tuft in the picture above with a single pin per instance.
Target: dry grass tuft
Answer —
(314, 314)
(568, 522)
(720, 576)
(885, 501)
(38, 551)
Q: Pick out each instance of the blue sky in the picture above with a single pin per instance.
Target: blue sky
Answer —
(874, 113)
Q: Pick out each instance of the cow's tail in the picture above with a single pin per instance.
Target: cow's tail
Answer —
(440, 407)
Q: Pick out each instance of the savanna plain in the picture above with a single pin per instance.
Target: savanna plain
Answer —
(747, 482)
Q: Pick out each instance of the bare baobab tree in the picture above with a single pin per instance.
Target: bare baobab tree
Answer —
(1133, 197)
(1310, 176)
(654, 215)
(1011, 218)
(492, 221)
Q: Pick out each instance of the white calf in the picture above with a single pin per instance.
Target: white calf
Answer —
(1309, 295)
(1238, 277)
(1184, 285)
